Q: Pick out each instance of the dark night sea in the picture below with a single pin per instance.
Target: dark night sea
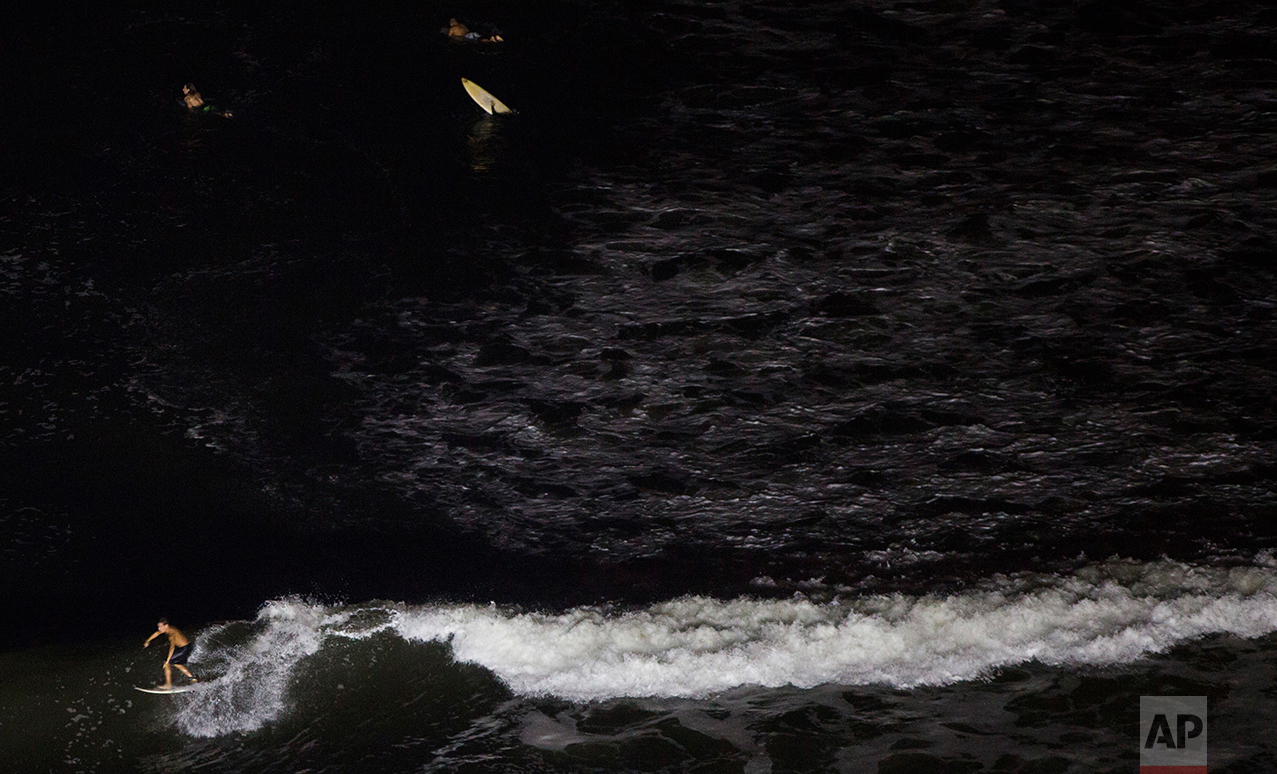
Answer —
(857, 386)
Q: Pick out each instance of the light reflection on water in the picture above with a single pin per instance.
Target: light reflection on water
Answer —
(794, 298)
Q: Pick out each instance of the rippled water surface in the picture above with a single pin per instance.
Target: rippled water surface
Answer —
(749, 304)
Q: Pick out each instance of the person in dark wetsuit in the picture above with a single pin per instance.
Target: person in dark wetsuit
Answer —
(179, 649)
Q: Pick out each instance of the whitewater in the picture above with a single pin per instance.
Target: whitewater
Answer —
(1107, 614)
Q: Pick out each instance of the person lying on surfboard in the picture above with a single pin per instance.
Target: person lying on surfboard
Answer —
(460, 31)
(456, 29)
(195, 102)
(179, 649)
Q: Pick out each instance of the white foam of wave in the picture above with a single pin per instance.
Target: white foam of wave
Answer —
(1108, 614)
(1111, 613)
(251, 689)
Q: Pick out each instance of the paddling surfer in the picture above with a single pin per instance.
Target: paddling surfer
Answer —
(192, 97)
(179, 649)
(194, 102)
(458, 31)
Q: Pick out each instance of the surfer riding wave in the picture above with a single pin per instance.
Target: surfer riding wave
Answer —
(179, 650)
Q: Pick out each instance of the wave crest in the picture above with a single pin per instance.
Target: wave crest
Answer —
(1111, 613)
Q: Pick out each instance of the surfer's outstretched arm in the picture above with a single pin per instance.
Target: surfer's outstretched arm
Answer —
(153, 636)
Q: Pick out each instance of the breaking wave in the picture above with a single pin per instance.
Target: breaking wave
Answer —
(1106, 614)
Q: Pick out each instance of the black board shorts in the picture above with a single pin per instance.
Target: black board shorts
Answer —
(181, 654)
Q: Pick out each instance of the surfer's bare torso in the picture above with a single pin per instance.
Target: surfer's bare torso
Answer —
(179, 649)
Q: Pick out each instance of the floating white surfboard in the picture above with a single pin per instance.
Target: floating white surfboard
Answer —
(174, 689)
(483, 99)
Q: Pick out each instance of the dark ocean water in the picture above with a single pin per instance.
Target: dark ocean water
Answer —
(784, 387)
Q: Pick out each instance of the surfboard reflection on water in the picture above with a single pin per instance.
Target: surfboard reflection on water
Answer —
(487, 144)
